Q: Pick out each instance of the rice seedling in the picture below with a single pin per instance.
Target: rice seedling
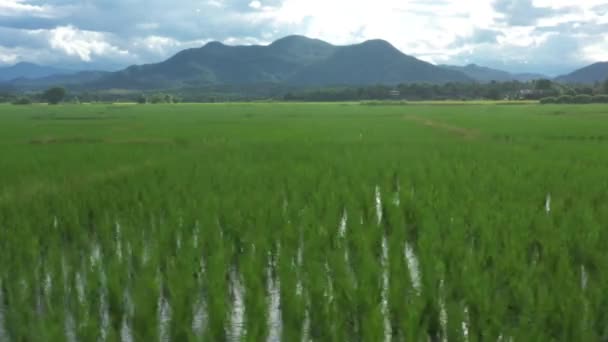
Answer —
(335, 222)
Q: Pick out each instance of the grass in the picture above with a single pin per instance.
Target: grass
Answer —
(144, 220)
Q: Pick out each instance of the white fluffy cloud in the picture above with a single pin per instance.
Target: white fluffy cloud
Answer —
(7, 56)
(21, 7)
(83, 44)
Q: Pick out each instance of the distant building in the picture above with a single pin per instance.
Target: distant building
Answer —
(529, 94)
(526, 92)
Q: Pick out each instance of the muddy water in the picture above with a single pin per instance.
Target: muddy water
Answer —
(306, 325)
(80, 288)
(104, 308)
(126, 334)
(388, 330)
(413, 267)
(584, 278)
(273, 289)
(443, 312)
(343, 222)
(199, 322)
(118, 242)
(465, 324)
(378, 205)
(299, 263)
(164, 319)
(69, 327)
(69, 323)
(200, 315)
(236, 327)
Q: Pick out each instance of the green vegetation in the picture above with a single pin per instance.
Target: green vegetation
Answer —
(336, 222)
(54, 95)
(578, 99)
(22, 101)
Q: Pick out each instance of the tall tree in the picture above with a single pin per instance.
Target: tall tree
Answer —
(54, 95)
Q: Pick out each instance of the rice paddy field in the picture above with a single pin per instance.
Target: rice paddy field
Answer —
(304, 222)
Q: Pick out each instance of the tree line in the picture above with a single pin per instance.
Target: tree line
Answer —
(533, 90)
(545, 90)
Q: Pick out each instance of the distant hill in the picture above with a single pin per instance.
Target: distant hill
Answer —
(525, 77)
(291, 61)
(29, 71)
(76, 79)
(216, 63)
(486, 75)
(373, 62)
(597, 72)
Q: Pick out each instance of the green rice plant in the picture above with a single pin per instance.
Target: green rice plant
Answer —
(303, 221)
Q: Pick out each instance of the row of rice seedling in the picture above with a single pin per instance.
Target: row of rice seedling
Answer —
(386, 229)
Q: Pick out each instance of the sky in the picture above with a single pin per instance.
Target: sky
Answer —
(546, 36)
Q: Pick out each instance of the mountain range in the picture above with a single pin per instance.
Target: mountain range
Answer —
(597, 72)
(485, 75)
(292, 61)
(26, 70)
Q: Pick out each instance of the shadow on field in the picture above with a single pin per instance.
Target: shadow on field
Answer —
(465, 133)
(74, 118)
(131, 141)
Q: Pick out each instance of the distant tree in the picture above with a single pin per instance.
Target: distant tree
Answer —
(22, 101)
(584, 90)
(492, 94)
(605, 87)
(543, 84)
(157, 98)
(582, 99)
(548, 100)
(142, 99)
(600, 99)
(54, 95)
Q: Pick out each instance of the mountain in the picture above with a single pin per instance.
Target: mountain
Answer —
(597, 72)
(373, 62)
(66, 80)
(216, 63)
(290, 61)
(486, 75)
(29, 70)
(293, 60)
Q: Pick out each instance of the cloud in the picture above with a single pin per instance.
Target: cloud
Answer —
(524, 12)
(538, 56)
(478, 36)
(83, 44)
(9, 8)
(7, 56)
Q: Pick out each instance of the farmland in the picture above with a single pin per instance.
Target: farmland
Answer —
(296, 222)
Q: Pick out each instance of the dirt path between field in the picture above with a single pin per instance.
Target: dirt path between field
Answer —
(465, 133)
